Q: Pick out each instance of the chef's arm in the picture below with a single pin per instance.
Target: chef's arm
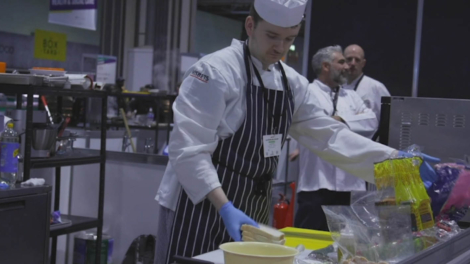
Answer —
(363, 121)
(373, 99)
(335, 142)
(198, 111)
(217, 198)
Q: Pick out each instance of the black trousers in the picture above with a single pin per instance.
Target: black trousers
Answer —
(309, 212)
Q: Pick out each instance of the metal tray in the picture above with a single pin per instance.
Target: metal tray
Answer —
(35, 80)
(21, 79)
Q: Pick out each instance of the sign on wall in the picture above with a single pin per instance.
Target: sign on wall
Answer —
(106, 69)
(50, 45)
(73, 13)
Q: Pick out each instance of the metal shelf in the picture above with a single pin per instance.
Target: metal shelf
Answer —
(131, 126)
(74, 158)
(79, 223)
(45, 90)
(71, 159)
(140, 95)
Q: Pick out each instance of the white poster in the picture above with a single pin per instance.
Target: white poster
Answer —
(106, 69)
(74, 13)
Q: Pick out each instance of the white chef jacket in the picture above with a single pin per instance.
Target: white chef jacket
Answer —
(314, 172)
(371, 91)
(211, 106)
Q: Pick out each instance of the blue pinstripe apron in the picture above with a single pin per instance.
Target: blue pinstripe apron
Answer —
(245, 174)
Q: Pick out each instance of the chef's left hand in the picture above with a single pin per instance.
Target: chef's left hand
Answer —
(427, 172)
(234, 219)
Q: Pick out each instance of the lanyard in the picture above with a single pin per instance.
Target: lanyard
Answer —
(358, 82)
(335, 100)
(276, 118)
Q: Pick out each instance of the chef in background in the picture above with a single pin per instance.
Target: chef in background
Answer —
(321, 183)
(234, 110)
(370, 90)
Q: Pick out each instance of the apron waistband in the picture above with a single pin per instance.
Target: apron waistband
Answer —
(264, 178)
(261, 184)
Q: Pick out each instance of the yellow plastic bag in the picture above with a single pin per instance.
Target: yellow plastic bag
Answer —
(399, 182)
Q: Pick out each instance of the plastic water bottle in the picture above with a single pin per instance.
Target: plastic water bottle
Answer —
(150, 117)
(165, 151)
(9, 152)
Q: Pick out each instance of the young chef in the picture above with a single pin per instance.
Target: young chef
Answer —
(233, 112)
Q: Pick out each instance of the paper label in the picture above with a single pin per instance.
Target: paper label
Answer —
(272, 145)
(9, 157)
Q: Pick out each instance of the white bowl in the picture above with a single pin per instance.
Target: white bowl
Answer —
(257, 253)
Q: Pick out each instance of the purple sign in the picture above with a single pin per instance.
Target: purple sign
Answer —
(60, 5)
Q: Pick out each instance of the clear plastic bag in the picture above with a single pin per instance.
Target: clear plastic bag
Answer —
(378, 226)
(398, 182)
(441, 232)
(375, 233)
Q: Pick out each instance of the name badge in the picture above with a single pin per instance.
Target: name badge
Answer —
(272, 145)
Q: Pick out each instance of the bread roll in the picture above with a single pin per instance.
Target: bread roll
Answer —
(270, 233)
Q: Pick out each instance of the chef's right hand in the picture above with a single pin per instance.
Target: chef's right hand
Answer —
(234, 219)
(427, 172)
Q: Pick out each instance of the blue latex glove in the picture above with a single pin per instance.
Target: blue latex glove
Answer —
(427, 172)
(234, 219)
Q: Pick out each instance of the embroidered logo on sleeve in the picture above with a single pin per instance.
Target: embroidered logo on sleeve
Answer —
(200, 76)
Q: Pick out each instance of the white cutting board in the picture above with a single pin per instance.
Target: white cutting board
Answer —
(217, 257)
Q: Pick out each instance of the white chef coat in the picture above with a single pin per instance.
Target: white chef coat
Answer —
(314, 172)
(371, 91)
(211, 106)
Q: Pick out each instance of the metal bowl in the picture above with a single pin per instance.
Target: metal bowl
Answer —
(44, 138)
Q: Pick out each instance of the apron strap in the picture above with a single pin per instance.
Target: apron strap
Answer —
(358, 82)
(285, 82)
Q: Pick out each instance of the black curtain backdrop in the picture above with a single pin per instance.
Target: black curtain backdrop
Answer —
(385, 29)
(444, 64)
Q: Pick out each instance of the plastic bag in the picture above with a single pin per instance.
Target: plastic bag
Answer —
(398, 182)
(320, 256)
(383, 234)
(440, 190)
(441, 232)
(458, 203)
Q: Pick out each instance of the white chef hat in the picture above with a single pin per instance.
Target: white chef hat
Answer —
(282, 13)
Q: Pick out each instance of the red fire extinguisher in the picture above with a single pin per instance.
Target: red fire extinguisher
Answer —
(280, 212)
(289, 222)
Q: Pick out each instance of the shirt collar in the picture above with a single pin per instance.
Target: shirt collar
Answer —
(322, 86)
(353, 84)
(239, 44)
(327, 88)
(259, 65)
